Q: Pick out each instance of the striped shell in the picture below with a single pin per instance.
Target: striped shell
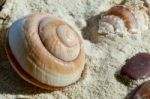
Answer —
(123, 18)
(45, 51)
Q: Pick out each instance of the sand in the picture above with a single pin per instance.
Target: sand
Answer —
(100, 79)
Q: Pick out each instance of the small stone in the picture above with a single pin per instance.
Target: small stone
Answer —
(137, 67)
(143, 92)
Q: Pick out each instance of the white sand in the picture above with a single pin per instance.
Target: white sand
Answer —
(103, 60)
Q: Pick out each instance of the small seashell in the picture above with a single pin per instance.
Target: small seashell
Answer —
(45, 51)
(137, 67)
(143, 92)
(126, 18)
(122, 19)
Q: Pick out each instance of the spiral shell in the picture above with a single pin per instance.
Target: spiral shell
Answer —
(123, 18)
(45, 51)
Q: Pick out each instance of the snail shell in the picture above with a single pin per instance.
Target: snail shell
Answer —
(123, 18)
(45, 51)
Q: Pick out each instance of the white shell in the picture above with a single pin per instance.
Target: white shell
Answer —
(47, 49)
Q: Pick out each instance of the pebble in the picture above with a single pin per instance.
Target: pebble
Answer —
(138, 67)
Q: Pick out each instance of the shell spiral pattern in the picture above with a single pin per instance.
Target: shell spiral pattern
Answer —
(123, 18)
(45, 51)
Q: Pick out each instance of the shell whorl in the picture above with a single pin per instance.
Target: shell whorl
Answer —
(123, 18)
(59, 39)
(48, 49)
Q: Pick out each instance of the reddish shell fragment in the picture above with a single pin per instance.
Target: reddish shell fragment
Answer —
(137, 67)
(143, 92)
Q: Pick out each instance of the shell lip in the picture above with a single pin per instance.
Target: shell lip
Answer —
(24, 75)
